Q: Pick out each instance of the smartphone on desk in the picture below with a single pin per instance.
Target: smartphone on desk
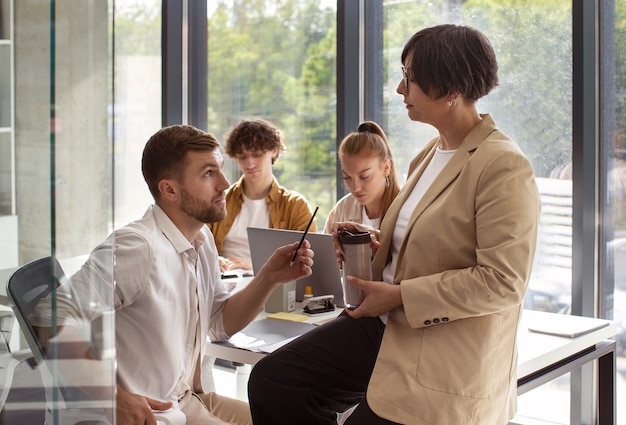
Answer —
(237, 273)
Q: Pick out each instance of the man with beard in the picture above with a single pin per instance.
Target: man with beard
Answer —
(168, 295)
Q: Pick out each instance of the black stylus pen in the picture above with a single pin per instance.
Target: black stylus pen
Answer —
(295, 254)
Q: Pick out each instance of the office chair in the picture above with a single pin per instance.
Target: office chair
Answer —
(25, 288)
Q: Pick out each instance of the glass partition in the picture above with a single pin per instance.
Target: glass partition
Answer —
(56, 191)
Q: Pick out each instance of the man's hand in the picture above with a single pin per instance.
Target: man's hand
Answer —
(279, 266)
(243, 306)
(133, 409)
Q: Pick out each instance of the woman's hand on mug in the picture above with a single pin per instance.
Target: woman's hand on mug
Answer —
(353, 228)
(378, 298)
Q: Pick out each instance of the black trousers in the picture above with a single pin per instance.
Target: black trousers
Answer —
(319, 374)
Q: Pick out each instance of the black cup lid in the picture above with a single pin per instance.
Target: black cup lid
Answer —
(346, 237)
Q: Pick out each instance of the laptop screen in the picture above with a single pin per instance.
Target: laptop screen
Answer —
(326, 276)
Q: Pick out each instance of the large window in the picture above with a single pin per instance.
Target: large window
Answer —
(276, 60)
(534, 108)
(535, 105)
(135, 107)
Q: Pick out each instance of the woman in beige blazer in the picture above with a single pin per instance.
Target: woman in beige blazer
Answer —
(434, 340)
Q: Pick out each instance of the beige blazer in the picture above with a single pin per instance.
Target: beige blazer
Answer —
(449, 354)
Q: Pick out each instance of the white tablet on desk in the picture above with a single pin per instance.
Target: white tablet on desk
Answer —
(563, 325)
(326, 276)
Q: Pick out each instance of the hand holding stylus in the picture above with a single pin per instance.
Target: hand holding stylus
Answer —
(295, 254)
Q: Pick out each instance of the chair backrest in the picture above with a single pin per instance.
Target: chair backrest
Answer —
(25, 288)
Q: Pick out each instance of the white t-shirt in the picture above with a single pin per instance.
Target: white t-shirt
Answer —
(374, 222)
(254, 213)
(434, 167)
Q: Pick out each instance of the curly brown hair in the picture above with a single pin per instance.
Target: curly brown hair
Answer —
(254, 135)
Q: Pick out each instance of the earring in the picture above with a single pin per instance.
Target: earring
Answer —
(386, 181)
(454, 102)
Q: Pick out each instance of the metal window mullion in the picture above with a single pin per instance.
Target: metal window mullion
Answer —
(349, 72)
(197, 83)
(184, 40)
(585, 126)
(373, 65)
(172, 59)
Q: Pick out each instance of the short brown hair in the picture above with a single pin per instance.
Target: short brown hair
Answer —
(165, 152)
(448, 59)
(254, 135)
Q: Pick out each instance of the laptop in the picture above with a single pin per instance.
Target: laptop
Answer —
(326, 276)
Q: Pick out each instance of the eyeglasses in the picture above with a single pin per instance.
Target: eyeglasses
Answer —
(405, 76)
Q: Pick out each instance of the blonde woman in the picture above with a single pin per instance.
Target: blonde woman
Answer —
(369, 173)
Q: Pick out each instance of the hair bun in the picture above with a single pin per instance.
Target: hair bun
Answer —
(364, 127)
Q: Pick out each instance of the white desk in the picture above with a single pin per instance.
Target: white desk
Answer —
(542, 357)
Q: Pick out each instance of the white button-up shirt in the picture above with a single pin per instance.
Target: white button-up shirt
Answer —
(168, 297)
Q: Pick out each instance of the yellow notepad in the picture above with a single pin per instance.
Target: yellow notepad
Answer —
(281, 315)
